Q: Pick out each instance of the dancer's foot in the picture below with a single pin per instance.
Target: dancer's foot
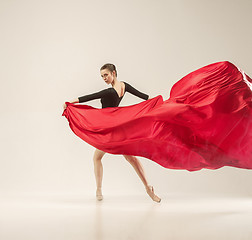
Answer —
(99, 196)
(150, 191)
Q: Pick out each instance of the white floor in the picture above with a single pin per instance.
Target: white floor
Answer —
(75, 217)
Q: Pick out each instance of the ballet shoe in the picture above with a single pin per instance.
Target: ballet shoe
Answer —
(99, 196)
(150, 191)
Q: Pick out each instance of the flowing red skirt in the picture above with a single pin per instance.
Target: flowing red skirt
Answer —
(206, 122)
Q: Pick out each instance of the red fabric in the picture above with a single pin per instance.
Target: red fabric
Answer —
(206, 122)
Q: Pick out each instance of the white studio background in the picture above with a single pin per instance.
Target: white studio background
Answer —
(51, 52)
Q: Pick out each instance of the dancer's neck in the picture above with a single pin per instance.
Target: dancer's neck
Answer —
(115, 82)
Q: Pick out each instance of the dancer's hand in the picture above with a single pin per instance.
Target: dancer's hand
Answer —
(74, 101)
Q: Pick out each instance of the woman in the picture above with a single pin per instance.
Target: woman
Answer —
(111, 97)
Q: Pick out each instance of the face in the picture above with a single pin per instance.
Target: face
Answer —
(107, 76)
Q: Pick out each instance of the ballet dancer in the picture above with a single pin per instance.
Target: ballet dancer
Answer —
(111, 97)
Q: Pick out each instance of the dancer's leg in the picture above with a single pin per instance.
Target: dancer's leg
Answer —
(137, 165)
(98, 170)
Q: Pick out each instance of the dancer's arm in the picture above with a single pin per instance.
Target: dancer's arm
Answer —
(93, 96)
(89, 97)
(135, 92)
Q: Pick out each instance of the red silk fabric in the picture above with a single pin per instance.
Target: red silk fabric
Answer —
(206, 122)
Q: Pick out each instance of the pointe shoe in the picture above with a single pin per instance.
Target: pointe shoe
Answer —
(99, 196)
(150, 191)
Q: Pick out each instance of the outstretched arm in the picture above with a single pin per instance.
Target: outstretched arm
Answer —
(93, 96)
(135, 92)
(88, 97)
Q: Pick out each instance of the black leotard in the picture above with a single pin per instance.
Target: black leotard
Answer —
(109, 97)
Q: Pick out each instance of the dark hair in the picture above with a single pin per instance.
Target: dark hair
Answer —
(111, 67)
